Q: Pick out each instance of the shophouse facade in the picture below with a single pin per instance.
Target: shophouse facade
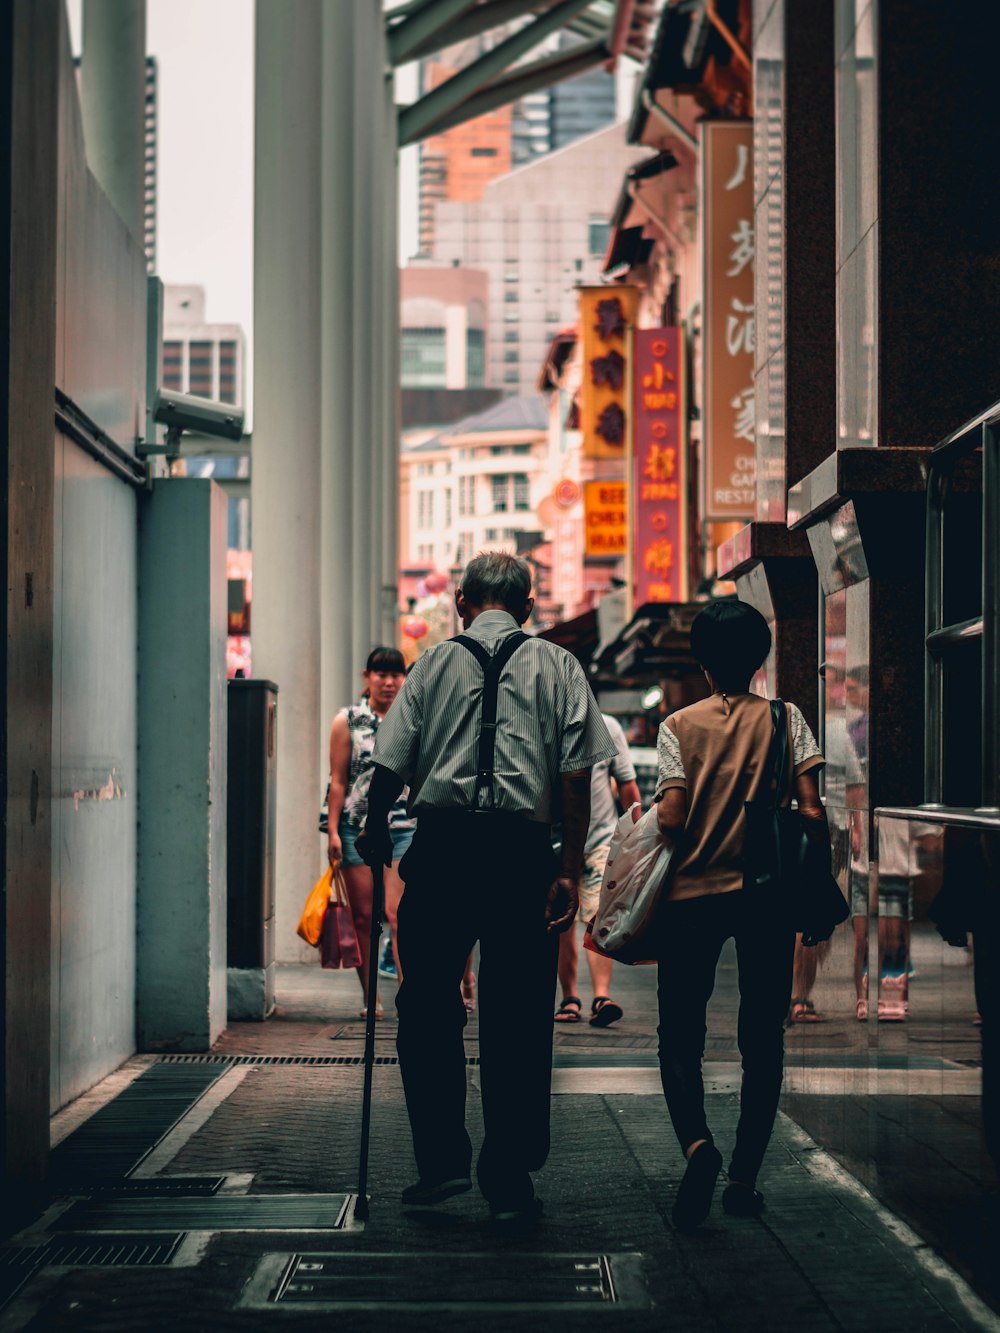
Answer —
(872, 547)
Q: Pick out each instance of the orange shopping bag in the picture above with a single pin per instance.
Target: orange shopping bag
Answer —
(310, 925)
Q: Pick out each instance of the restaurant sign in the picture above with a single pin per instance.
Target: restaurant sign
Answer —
(606, 315)
(728, 255)
(605, 510)
(658, 478)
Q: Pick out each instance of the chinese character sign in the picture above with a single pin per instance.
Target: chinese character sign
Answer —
(605, 509)
(728, 252)
(658, 474)
(606, 315)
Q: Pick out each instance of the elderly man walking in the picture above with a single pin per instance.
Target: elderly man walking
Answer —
(495, 733)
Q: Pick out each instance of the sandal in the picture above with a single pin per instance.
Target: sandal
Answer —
(379, 1012)
(569, 1011)
(802, 1010)
(604, 1012)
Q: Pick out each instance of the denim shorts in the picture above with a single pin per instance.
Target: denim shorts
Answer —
(401, 839)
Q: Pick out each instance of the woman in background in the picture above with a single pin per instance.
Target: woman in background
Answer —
(352, 739)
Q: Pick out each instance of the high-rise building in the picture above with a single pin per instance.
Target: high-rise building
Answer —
(459, 164)
(149, 176)
(539, 232)
(201, 358)
(559, 115)
(443, 327)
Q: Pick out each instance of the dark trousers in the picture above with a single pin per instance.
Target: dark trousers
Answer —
(691, 935)
(486, 878)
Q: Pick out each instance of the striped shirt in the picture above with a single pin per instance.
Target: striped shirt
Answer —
(548, 723)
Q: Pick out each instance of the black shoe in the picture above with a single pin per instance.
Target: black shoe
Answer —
(426, 1193)
(507, 1219)
(694, 1197)
(739, 1200)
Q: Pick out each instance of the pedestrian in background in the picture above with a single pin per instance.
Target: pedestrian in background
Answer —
(352, 740)
(713, 758)
(603, 816)
(482, 867)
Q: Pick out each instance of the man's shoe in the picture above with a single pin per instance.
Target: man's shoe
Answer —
(694, 1197)
(507, 1219)
(739, 1200)
(425, 1194)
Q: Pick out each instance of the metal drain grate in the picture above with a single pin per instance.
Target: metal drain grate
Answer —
(221, 1212)
(115, 1139)
(130, 1251)
(160, 1187)
(433, 1281)
(316, 1061)
(20, 1263)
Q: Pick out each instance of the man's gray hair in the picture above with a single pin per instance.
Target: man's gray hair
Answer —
(498, 578)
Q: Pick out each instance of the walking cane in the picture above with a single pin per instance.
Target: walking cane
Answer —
(378, 897)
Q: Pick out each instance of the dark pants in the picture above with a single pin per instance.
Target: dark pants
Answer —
(691, 935)
(485, 878)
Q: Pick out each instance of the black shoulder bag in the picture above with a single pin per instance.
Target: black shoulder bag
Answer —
(492, 666)
(787, 856)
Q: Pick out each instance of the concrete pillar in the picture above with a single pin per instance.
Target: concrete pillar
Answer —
(181, 897)
(113, 100)
(286, 466)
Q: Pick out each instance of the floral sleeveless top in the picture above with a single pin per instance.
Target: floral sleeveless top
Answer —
(363, 724)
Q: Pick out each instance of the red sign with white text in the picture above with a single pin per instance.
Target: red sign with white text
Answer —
(658, 482)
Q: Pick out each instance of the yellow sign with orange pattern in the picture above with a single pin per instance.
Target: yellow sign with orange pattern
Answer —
(606, 315)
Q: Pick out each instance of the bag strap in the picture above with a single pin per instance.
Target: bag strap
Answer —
(778, 754)
(492, 665)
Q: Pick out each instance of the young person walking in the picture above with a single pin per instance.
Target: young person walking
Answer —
(713, 758)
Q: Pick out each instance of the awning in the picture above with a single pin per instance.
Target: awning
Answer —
(654, 645)
(695, 40)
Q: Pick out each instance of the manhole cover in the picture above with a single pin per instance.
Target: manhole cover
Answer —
(434, 1281)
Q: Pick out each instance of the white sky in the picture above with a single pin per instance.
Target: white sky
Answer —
(205, 54)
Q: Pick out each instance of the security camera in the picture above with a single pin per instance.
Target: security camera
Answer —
(202, 416)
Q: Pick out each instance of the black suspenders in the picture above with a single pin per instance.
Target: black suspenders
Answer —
(492, 667)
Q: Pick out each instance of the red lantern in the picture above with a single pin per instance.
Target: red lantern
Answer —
(415, 627)
(435, 583)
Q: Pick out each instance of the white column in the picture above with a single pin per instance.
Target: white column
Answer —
(357, 29)
(389, 473)
(340, 683)
(286, 433)
(113, 101)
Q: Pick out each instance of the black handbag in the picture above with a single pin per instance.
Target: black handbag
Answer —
(786, 855)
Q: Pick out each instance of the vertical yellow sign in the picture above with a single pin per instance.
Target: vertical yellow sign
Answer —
(606, 315)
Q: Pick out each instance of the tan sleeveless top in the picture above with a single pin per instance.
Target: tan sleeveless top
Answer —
(724, 743)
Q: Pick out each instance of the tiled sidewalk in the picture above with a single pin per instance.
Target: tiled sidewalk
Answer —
(825, 1255)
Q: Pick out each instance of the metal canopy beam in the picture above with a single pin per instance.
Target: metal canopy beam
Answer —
(522, 81)
(416, 121)
(433, 19)
(478, 20)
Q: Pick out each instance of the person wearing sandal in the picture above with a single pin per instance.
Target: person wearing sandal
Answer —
(713, 757)
(603, 816)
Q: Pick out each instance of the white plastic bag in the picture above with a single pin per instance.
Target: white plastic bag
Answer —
(637, 868)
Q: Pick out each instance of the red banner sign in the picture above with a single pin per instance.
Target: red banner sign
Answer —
(658, 505)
